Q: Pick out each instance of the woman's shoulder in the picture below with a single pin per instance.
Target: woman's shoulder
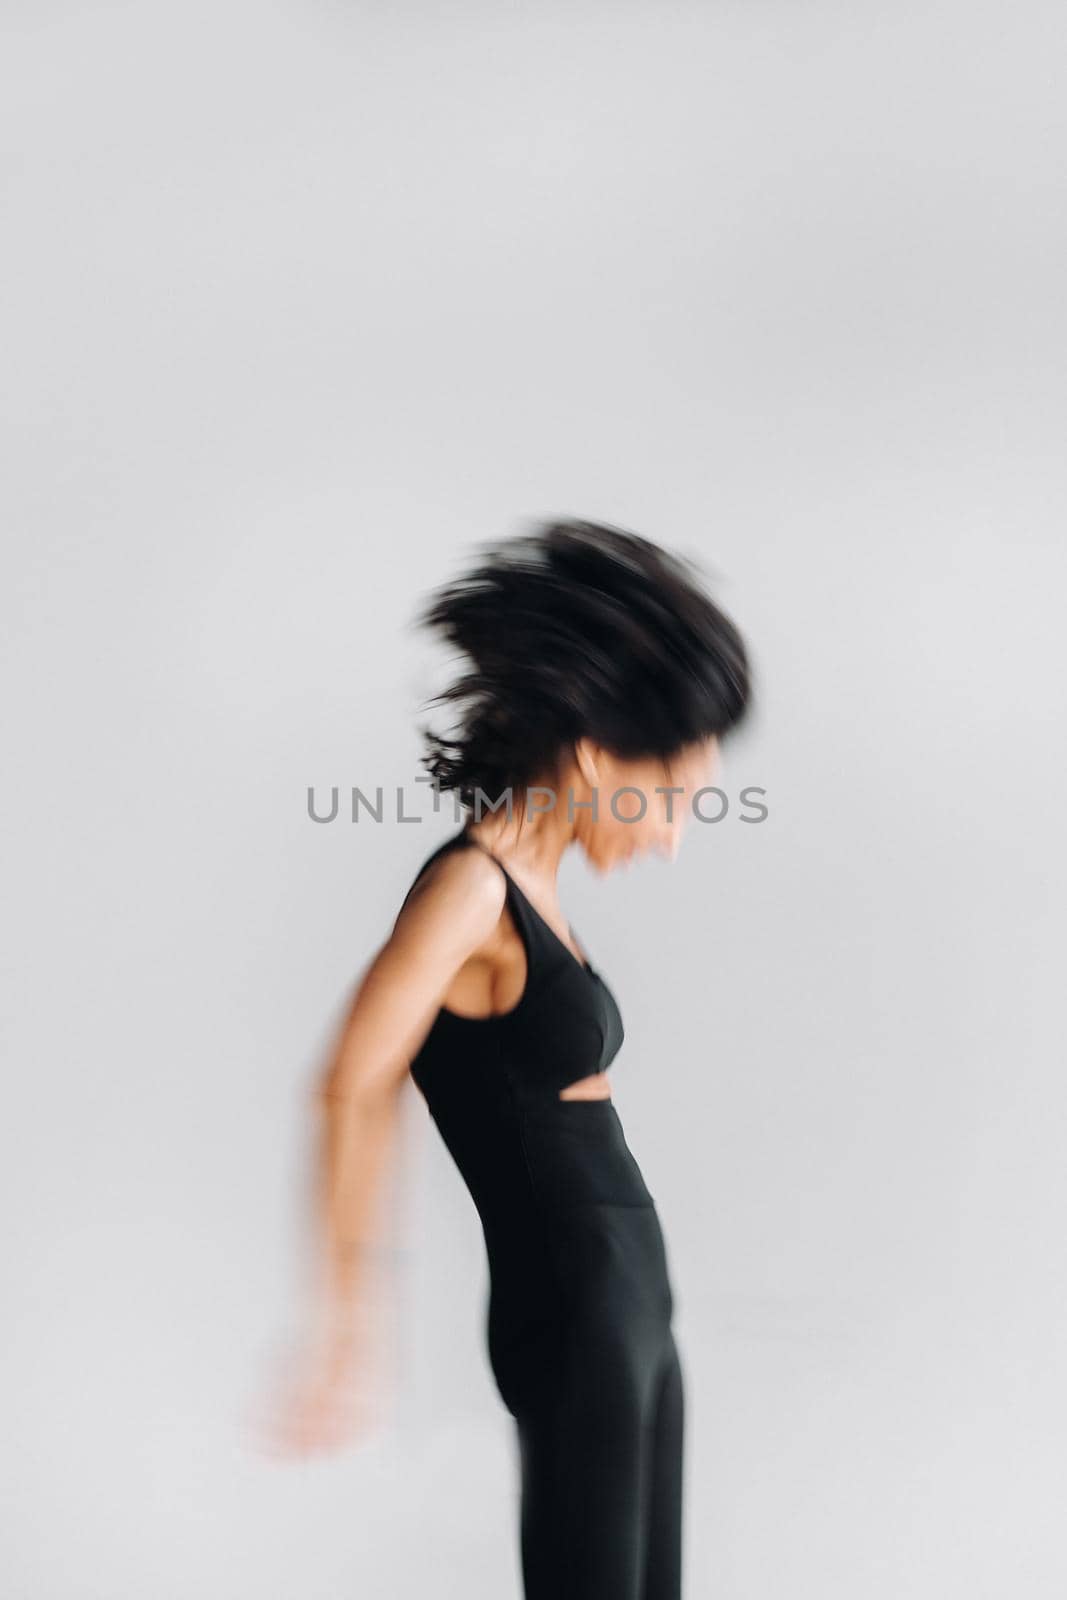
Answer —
(458, 879)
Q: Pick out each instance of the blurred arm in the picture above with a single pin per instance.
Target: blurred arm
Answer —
(451, 911)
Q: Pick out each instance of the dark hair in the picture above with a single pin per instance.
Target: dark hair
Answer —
(578, 628)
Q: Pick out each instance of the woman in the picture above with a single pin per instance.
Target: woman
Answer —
(601, 682)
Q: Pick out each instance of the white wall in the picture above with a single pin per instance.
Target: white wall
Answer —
(300, 300)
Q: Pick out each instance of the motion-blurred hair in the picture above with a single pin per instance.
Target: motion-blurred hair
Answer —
(574, 629)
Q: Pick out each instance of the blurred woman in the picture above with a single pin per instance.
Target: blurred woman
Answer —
(600, 681)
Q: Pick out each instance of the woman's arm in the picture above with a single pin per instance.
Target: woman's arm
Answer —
(449, 917)
(451, 912)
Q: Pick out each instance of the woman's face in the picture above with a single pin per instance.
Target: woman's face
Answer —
(643, 805)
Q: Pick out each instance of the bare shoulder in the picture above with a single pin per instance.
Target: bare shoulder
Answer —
(451, 913)
(462, 890)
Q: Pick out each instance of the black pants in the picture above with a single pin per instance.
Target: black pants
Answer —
(585, 1357)
(601, 1515)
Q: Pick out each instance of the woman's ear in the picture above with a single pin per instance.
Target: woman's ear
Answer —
(585, 759)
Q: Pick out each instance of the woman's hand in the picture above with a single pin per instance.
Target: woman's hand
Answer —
(327, 1394)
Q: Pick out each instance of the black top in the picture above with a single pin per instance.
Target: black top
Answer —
(534, 1163)
(482, 1076)
(565, 1025)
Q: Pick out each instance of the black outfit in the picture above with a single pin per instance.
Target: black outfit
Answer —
(579, 1315)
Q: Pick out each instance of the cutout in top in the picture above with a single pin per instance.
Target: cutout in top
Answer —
(594, 1086)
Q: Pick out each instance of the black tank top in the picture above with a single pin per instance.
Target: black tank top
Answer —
(565, 1025)
(530, 1160)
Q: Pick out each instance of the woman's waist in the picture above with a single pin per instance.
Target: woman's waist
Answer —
(577, 1155)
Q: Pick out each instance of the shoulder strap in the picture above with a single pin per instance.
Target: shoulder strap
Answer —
(520, 906)
(531, 929)
(532, 920)
(516, 900)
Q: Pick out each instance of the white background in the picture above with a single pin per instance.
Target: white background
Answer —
(301, 299)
